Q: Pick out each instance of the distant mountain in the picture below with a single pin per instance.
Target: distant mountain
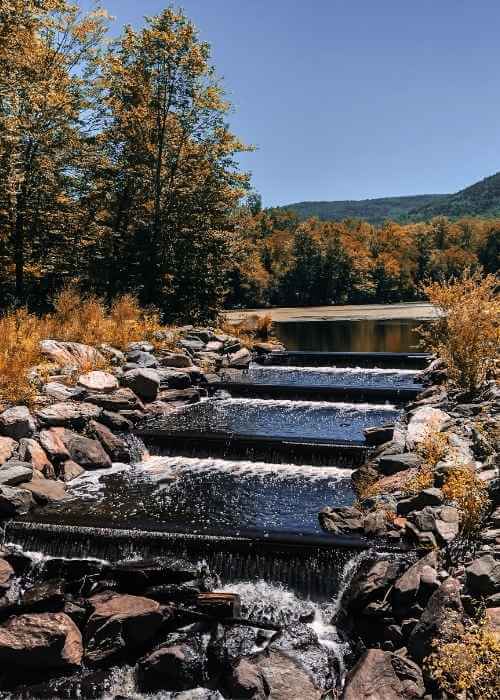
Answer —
(481, 199)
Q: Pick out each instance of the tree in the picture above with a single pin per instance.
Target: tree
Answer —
(46, 50)
(174, 180)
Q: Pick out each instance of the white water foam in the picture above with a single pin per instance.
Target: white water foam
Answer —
(333, 370)
(307, 405)
(159, 467)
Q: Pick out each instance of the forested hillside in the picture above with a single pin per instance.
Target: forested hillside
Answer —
(481, 199)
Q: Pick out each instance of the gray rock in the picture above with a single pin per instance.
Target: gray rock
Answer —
(240, 358)
(391, 464)
(141, 345)
(115, 447)
(246, 680)
(13, 473)
(7, 448)
(115, 421)
(120, 400)
(142, 359)
(483, 576)
(17, 422)
(172, 379)
(193, 345)
(98, 381)
(143, 381)
(379, 435)
(371, 582)
(86, 452)
(381, 675)
(68, 354)
(410, 588)
(423, 421)
(74, 415)
(61, 392)
(14, 501)
(347, 520)
(178, 665)
(427, 497)
(375, 523)
(174, 359)
(441, 620)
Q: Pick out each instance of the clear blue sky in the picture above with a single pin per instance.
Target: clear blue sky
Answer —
(348, 99)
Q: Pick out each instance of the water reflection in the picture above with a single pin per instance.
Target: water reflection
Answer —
(392, 335)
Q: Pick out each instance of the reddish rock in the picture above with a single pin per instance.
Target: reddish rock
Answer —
(40, 641)
(493, 619)
(67, 414)
(7, 447)
(52, 443)
(45, 490)
(380, 675)
(30, 451)
(395, 482)
(98, 381)
(247, 680)
(287, 678)
(14, 501)
(71, 354)
(120, 400)
(115, 447)
(118, 622)
(86, 452)
(17, 422)
(70, 470)
(6, 576)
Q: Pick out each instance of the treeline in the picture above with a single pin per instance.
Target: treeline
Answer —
(285, 262)
(117, 166)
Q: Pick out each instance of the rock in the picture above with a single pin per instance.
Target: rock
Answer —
(424, 421)
(246, 680)
(17, 422)
(143, 382)
(40, 642)
(74, 415)
(371, 582)
(14, 501)
(142, 359)
(175, 592)
(192, 344)
(61, 392)
(380, 675)
(219, 604)
(174, 359)
(119, 623)
(86, 452)
(391, 464)
(70, 470)
(379, 435)
(115, 356)
(174, 379)
(492, 616)
(340, 521)
(98, 381)
(428, 497)
(44, 597)
(184, 395)
(415, 586)
(7, 447)
(30, 451)
(180, 665)
(7, 575)
(137, 574)
(46, 491)
(286, 677)
(396, 482)
(115, 421)
(141, 345)
(483, 576)
(240, 358)
(14, 473)
(71, 354)
(441, 620)
(120, 400)
(115, 447)
(52, 443)
(215, 346)
(375, 523)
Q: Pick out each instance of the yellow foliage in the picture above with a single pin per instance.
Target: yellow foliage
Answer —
(469, 664)
(423, 479)
(253, 328)
(467, 336)
(464, 488)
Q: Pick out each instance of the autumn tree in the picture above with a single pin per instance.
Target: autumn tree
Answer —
(46, 50)
(171, 181)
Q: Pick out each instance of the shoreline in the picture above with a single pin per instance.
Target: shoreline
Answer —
(417, 311)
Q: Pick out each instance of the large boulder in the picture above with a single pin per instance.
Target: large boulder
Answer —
(14, 501)
(44, 597)
(52, 444)
(142, 359)
(98, 381)
(441, 620)
(174, 379)
(286, 677)
(424, 421)
(68, 415)
(119, 623)
(40, 642)
(179, 664)
(17, 422)
(381, 675)
(14, 473)
(391, 464)
(86, 452)
(246, 680)
(62, 392)
(174, 359)
(46, 491)
(71, 354)
(142, 381)
(346, 520)
(483, 575)
(120, 400)
(70, 470)
(416, 584)
(7, 448)
(115, 447)
(30, 451)
(240, 359)
(371, 582)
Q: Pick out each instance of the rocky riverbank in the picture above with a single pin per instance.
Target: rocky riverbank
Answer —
(432, 489)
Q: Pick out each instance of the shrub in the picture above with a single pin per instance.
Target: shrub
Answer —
(464, 488)
(468, 664)
(253, 327)
(467, 334)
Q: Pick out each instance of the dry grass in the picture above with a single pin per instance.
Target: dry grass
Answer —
(467, 336)
(423, 479)
(464, 488)
(468, 666)
(75, 318)
(253, 328)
